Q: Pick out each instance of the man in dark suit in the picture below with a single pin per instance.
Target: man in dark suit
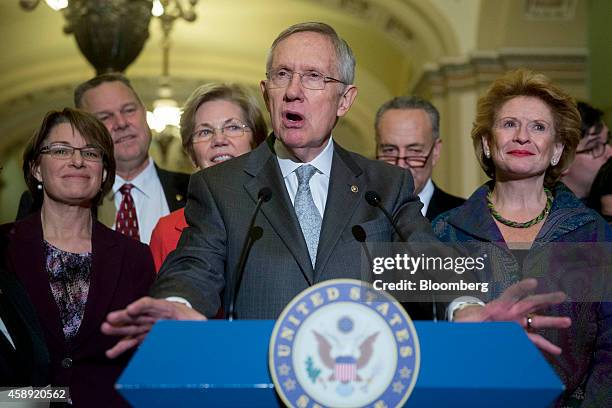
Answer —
(306, 226)
(155, 192)
(408, 135)
(24, 359)
(317, 196)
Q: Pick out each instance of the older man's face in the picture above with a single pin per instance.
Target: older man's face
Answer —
(115, 105)
(407, 133)
(304, 118)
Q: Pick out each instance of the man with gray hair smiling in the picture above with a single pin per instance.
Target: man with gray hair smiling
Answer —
(408, 135)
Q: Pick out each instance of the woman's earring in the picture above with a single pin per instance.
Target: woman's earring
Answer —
(39, 186)
(487, 153)
(554, 161)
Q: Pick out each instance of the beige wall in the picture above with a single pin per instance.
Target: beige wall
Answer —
(447, 50)
(600, 63)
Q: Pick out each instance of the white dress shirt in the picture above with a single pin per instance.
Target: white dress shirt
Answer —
(149, 199)
(425, 196)
(5, 332)
(319, 182)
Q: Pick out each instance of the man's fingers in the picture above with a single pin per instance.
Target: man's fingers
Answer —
(547, 322)
(544, 344)
(149, 306)
(129, 330)
(119, 318)
(143, 311)
(518, 291)
(533, 303)
(122, 346)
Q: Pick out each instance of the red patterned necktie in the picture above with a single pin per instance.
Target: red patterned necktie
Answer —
(126, 222)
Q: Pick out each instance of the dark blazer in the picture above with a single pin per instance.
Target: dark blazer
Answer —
(585, 366)
(221, 201)
(122, 271)
(28, 362)
(175, 187)
(174, 184)
(441, 202)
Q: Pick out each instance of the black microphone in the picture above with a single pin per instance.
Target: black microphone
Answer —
(374, 200)
(253, 234)
(360, 235)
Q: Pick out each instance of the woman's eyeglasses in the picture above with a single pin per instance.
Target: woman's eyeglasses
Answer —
(65, 152)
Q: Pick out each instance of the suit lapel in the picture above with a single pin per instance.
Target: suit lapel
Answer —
(344, 192)
(471, 221)
(28, 258)
(170, 184)
(433, 208)
(263, 167)
(105, 271)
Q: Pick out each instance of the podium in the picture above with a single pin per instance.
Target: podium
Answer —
(225, 364)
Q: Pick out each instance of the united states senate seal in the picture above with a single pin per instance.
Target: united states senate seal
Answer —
(341, 343)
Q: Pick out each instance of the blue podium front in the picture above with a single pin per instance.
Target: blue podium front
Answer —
(225, 364)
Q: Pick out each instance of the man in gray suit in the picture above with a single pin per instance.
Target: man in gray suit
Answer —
(309, 86)
(317, 197)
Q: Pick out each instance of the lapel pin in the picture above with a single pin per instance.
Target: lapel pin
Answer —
(354, 188)
(179, 197)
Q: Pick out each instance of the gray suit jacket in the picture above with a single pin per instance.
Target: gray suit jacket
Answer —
(220, 202)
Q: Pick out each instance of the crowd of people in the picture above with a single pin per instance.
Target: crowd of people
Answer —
(81, 287)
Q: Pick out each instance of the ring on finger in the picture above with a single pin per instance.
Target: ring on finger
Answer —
(529, 324)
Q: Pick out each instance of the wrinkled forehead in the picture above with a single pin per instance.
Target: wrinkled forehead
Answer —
(405, 127)
(108, 94)
(305, 50)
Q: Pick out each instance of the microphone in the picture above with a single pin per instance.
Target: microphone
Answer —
(360, 235)
(253, 234)
(374, 200)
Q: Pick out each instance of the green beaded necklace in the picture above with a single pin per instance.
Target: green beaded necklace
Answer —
(526, 224)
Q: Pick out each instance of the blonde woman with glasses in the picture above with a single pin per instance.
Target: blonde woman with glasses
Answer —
(219, 122)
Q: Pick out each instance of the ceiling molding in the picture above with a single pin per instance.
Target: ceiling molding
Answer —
(484, 67)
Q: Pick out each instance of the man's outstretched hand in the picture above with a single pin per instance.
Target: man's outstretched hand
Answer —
(517, 303)
(134, 322)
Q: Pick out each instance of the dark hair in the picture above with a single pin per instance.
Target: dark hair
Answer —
(344, 55)
(231, 93)
(96, 81)
(522, 82)
(92, 130)
(407, 103)
(589, 117)
(602, 186)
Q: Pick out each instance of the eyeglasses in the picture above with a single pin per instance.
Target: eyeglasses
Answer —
(597, 150)
(65, 152)
(229, 130)
(281, 78)
(414, 162)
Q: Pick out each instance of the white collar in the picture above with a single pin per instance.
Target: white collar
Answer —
(426, 194)
(288, 163)
(142, 181)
